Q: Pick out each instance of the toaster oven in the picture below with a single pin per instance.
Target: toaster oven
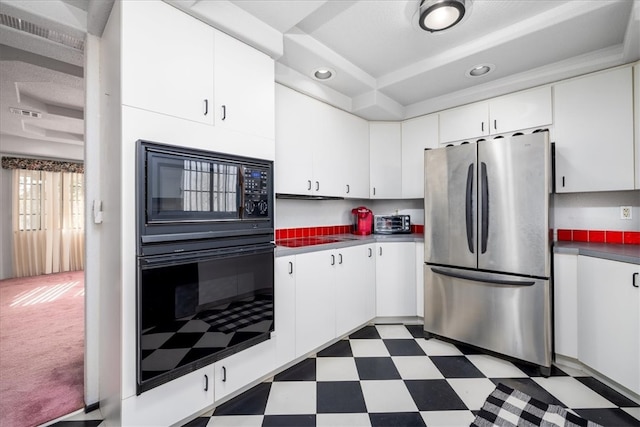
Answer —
(392, 224)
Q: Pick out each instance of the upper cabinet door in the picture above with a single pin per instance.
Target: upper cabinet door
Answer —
(167, 61)
(385, 139)
(244, 88)
(594, 132)
(417, 135)
(353, 157)
(465, 122)
(636, 107)
(521, 110)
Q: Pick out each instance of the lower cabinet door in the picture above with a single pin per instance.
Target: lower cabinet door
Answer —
(396, 279)
(241, 369)
(355, 288)
(172, 402)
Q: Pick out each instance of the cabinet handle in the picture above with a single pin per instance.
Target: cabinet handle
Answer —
(333, 259)
(340, 258)
(348, 189)
(495, 124)
(633, 281)
(563, 181)
(380, 250)
(482, 126)
(370, 253)
(374, 191)
(290, 267)
(309, 182)
(224, 112)
(206, 107)
(206, 383)
(224, 374)
(317, 186)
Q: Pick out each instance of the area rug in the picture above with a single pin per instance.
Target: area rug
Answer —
(507, 407)
(41, 348)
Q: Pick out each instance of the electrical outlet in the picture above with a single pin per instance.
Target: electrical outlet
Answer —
(625, 212)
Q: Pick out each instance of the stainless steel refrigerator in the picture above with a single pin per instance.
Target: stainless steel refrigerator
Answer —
(487, 246)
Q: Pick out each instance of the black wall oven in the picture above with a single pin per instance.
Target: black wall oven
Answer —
(205, 259)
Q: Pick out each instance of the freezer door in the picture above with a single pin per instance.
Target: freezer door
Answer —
(450, 236)
(505, 314)
(513, 194)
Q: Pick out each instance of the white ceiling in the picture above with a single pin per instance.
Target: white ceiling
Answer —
(386, 67)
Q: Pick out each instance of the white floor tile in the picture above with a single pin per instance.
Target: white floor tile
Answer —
(292, 397)
(634, 412)
(472, 391)
(416, 368)
(393, 331)
(447, 418)
(434, 347)
(236, 421)
(573, 393)
(387, 396)
(368, 348)
(494, 367)
(336, 369)
(346, 420)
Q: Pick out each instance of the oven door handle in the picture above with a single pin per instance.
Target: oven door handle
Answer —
(181, 258)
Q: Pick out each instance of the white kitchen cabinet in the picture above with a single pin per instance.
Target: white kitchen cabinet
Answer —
(395, 279)
(385, 160)
(172, 402)
(609, 319)
(320, 150)
(464, 122)
(355, 287)
(417, 134)
(315, 300)
(508, 113)
(284, 334)
(244, 88)
(420, 279)
(163, 69)
(243, 368)
(593, 126)
(565, 304)
(636, 108)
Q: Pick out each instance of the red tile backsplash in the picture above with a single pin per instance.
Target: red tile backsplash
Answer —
(304, 232)
(599, 236)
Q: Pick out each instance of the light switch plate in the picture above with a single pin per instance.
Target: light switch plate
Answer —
(625, 212)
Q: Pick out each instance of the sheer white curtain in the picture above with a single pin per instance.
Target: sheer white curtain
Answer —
(48, 222)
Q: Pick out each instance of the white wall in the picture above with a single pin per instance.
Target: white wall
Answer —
(596, 211)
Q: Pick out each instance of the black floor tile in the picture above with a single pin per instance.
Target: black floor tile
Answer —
(82, 423)
(251, 402)
(467, 349)
(607, 392)
(340, 397)
(456, 367)
(340, 349)
(397, 419)
(531, 388)
(434, 395)
(377, 368)
(399, 347)
(608, 417)
(417, 331)
(368, 332)
(289, 420)
(303, 371)
(534, 371)
(198, 422)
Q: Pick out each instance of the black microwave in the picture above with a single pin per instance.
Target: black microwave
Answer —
(190, 199)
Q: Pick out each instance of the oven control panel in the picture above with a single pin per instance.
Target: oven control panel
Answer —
(256, 192)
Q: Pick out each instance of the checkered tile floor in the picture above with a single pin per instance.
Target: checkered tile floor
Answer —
(388, 375)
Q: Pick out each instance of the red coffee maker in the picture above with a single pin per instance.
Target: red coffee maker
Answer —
(362, 221)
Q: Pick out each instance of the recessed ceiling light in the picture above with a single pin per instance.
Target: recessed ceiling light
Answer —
(438, 15)
(323, 73)
(480, 70)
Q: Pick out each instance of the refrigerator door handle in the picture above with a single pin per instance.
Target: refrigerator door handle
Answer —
(485, 207)
(469, 208)
(479, 277)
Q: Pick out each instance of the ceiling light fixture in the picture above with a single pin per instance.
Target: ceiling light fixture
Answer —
(323, 73)
(480, 70)
(438, 15)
